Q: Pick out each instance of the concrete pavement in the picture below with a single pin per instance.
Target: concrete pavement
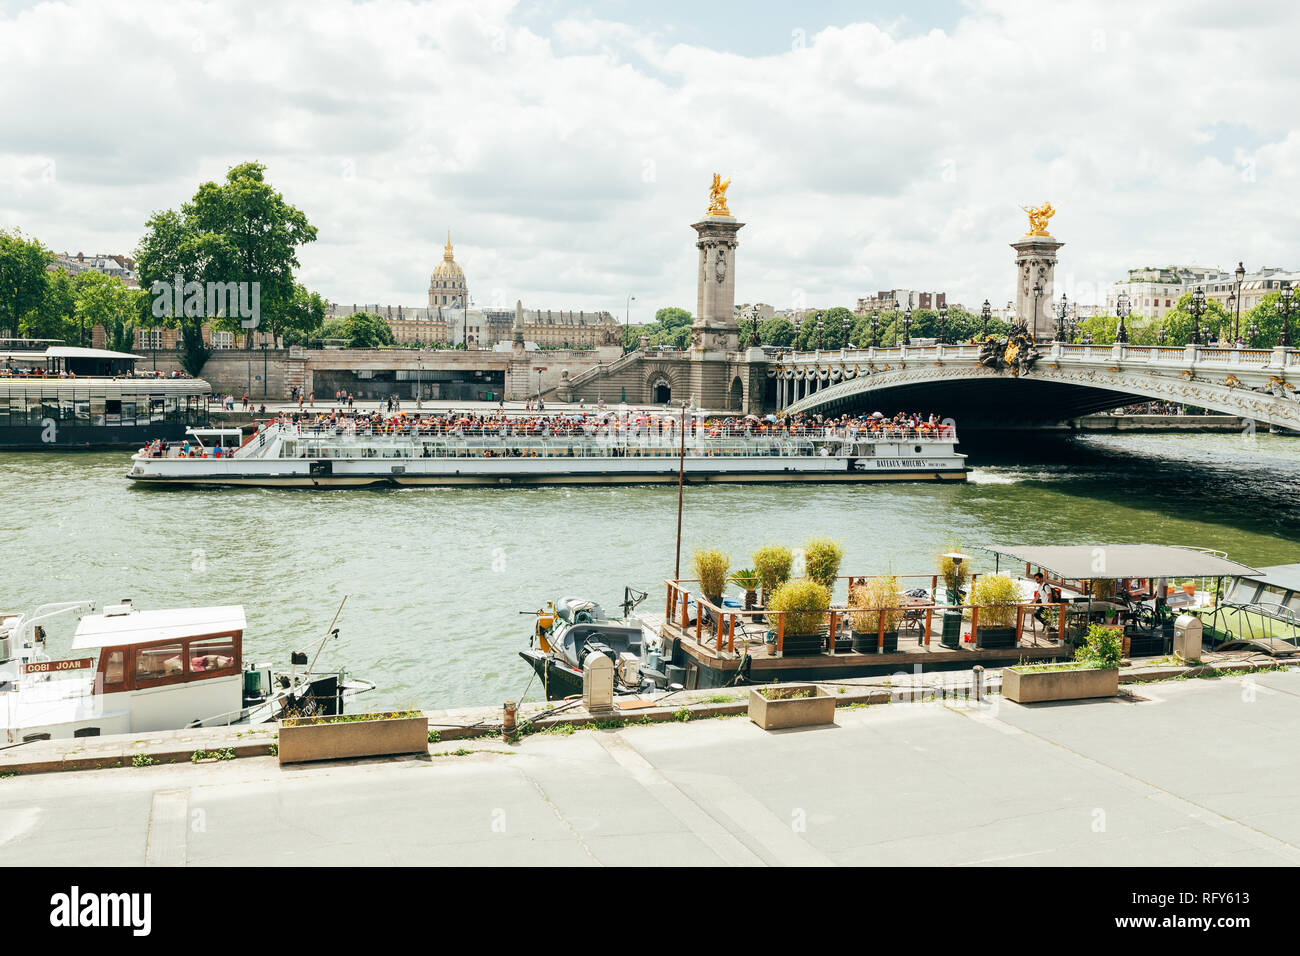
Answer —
(1193, 772)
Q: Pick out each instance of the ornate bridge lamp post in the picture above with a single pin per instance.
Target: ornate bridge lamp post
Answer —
(1285, 306)
(1038, 294)
(893, 306)
(1061, 312)
(943, 324)
(819, 331)
(907, 326)
(1122, 309)
(986, 313)
(1198, 310)
(1241, 275)
(1253, 332)
(875, 329)
(1163, 337)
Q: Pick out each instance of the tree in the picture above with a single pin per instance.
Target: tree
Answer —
(304, 317)
(671, 317)
(103, 300)
(55, 316)
(240, 231)
(1177, 322)
(363, 330)
(776, 331)
(22, 278)
(1268, 323)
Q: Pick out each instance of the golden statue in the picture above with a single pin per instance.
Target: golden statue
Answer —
(718, 197)
(1038, 217)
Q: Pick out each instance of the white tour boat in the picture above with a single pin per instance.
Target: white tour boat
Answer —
(147, 670)
(348, 453)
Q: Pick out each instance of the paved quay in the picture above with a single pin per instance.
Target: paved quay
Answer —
(1190, 772)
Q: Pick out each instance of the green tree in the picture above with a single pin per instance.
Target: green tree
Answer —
(239, 231)
(304, 317)
(1268, 323)
(1177, 322)
(22, 278)
(103, 300)
(778, 331)
(671, 317)
(55, 316)
(365, 330)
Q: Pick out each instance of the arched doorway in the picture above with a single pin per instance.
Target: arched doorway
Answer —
(736, 395)
(661, 392)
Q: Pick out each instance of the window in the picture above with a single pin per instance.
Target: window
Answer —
(86, 732)
(213, 654)
(223, 340)
(158, 662)
(115, 668)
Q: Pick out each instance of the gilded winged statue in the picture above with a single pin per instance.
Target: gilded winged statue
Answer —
(718, 197)
(1038, 217)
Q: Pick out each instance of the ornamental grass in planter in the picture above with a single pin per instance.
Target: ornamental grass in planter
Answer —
(1093, 673)
(772, 564)
(821, 561)
(749, 582)
(871, 603)
(711, 569)
(996, 596)
(803, 604)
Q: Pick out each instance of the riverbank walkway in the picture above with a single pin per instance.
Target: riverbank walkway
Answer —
(1186, 772)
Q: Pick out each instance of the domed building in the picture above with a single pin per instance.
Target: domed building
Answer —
(447, 286)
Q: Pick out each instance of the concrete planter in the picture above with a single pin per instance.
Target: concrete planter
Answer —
(787, 710)
(315, 738)
(868, 642)
(995, 637)
(1059, 684)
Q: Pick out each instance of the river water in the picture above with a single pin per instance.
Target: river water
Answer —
(435, 578)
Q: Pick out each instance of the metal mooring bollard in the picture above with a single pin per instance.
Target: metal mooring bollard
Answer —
(977, 675)
(509, 712)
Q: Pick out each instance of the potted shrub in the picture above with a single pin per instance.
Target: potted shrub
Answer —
(342, 736)
(790, 705)
(1093, 673)
(803, 604)
(996, 596)
(711, 571)
(749, 582)
(821, 561)
(772, 564)
(954, 569)
(877, 598)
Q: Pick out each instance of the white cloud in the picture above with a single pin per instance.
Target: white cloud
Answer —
(569, 162)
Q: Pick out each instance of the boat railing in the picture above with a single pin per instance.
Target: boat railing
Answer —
(725, 626)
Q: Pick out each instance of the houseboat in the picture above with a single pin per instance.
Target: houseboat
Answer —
(1257, 610)
(63, 397)
(413, 453)
(141, 670)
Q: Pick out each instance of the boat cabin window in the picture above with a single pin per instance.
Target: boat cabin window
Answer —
(1243, 591)
(1271, 595)
(214, 654)
(114, 667)
(158, 662)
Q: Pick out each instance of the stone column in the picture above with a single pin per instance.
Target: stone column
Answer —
(715, 328)
(1036, 265)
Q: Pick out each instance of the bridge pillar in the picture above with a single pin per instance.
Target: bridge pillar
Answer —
(1036, 267)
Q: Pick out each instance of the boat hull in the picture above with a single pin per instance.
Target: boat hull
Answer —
(559, 679)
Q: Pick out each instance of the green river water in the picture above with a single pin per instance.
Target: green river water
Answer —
(436, 577)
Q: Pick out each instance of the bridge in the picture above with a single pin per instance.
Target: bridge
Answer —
(1065, 382)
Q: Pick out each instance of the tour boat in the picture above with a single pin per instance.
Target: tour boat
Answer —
(344, 454)
(154, 670)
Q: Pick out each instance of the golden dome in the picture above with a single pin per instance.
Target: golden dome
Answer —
(447, 268)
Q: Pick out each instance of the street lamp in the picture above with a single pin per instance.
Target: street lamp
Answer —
(986, 313)
(943, 324)
(1254, 332)
(1198, 309)
(1241, 275)
(419, 382)
(1163, 336)
(819, 331)
(1061, 312)
(875, 329)
(1038, 294)
(907, 326)
(627, 319)
(893, 305)
(1122, 309)
(1285, 306)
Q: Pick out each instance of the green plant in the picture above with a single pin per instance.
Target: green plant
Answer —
(955, 574)
(223, 754)
(804, 604)
(683, 714)
(996, 595)
(142, 760)
(434, 736)
(821, 560)
(749, 581)
(1103, 589)
(352, 718)
(772, 563)
(273, 750)
(711, 570)
(1104, 647)
(876, 598)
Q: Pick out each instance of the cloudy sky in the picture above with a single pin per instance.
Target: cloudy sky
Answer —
(568, 146)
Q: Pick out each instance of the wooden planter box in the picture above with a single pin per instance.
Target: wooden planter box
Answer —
(802, 646)
(788, 710)
(995, 637)
(1059, 684)
(868, 642)
(314, 738)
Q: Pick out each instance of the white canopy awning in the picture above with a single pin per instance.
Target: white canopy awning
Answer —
(1086, 562)
(141, 627)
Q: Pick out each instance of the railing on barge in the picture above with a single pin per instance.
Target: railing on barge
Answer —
(722, 625)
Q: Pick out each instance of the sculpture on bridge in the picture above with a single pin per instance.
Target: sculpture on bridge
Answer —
(1015, 354)
(718, 197)
(1038, 216)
